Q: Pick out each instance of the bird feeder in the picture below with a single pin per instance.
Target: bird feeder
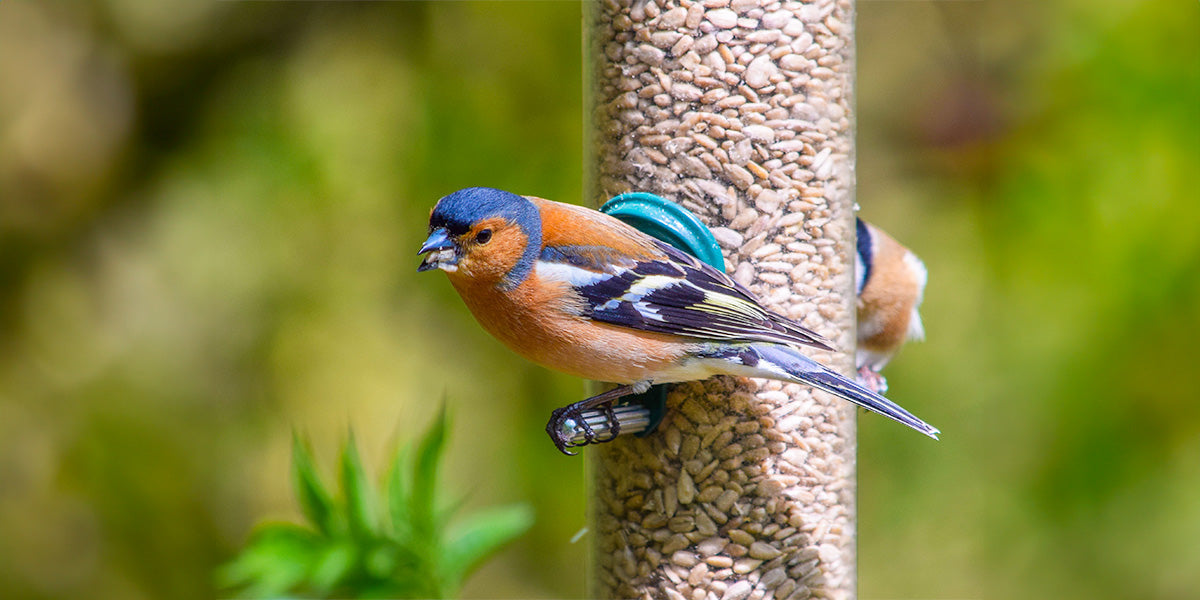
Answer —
(740, 111)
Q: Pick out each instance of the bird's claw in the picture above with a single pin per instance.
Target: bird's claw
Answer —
(872, 380)
(566, 420)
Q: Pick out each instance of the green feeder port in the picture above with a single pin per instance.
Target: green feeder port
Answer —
(669, 222)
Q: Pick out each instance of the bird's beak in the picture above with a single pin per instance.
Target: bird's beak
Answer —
(439, 252)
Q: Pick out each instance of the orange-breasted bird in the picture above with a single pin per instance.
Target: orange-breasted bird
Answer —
(581, 292)
(890, 282)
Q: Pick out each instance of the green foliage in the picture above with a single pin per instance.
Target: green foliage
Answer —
(350, 550)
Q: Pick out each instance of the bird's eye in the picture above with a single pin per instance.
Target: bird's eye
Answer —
(483, 237)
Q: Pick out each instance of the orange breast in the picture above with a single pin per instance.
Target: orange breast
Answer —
(886, 303)
(541, 323)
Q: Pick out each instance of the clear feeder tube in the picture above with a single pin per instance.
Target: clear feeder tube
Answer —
(741, 111)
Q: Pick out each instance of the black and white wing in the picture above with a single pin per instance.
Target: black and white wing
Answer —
(673, 293)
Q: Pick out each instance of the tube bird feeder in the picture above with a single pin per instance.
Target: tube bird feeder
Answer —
(741, 111)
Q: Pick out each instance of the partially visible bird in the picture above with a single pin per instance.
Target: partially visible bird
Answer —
(890, 282)
(579, 291)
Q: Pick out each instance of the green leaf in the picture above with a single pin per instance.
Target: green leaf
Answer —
(274, 561)
(477, 537)
(359, 493)
(399, 507)
(382, 561)
(399, 588)
(333, 567)
(315, 501)
(425, 472)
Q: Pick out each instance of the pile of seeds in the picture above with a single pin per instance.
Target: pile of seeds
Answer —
(739, 110)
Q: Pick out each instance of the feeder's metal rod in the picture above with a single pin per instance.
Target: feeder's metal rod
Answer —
(634, 418)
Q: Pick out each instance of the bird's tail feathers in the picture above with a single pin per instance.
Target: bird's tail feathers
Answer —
(804, 370)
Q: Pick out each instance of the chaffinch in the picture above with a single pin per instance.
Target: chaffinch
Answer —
(579, 291)
(890, 282)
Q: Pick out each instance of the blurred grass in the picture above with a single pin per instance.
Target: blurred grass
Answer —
(208, 219)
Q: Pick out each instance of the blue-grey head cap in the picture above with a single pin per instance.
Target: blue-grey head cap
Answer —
(456, 213)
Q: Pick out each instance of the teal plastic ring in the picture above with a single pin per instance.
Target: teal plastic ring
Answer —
(669, 222)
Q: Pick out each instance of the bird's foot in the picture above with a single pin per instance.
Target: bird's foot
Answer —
(562, 426)
(872, 380)
(569, 428)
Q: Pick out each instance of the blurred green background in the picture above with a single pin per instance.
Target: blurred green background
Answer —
(209, 213)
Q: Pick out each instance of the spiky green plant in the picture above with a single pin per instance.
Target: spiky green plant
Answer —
(351, 549)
